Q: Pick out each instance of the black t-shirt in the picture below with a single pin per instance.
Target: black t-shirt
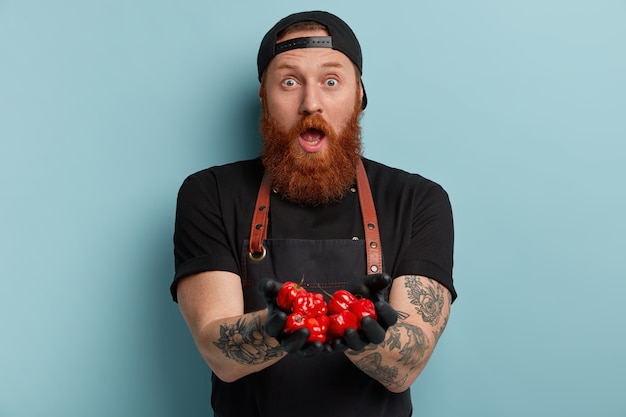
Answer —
(213, 219)
(215, 208)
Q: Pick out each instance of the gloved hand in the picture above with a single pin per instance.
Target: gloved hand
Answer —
(372, 331)
(276, 319)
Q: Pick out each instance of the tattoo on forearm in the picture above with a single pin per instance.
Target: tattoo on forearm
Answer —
(386, 375)
(427, 298)
(413, 352)
(438, 332)
(245, 342)
(402, 315)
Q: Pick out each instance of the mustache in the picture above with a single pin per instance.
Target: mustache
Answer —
(313, 121)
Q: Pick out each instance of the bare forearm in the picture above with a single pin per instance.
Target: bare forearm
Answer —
(238, 346)
(397, 362)
(232, 343)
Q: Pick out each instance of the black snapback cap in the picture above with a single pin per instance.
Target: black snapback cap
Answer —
(341, 39)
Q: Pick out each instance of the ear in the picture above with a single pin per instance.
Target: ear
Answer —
(360, 90)
(362, 95)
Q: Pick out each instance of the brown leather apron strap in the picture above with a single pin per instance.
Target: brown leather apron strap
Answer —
(373, 247)
(258, 228)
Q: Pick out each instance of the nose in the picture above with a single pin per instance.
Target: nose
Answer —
(310, 103)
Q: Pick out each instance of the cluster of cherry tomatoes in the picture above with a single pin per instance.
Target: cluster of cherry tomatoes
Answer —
(326, 321)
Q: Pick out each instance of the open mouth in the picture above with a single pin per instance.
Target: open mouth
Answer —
(312, 136)
(311, 140)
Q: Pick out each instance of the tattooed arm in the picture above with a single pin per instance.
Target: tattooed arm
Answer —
(232, 343)
(424, 307)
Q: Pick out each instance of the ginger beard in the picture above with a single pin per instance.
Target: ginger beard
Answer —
(311, 178)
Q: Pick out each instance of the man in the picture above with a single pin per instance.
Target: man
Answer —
(311, 208)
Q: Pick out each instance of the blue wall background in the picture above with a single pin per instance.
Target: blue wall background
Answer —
(516, 107)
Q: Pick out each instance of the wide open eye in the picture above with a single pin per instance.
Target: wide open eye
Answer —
(289, 82)
(331, 82)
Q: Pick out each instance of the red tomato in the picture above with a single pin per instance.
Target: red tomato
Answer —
(340, 322)
(287, 293)
(310, 304)
(363, 307)
(294, 322)
(317, 329)
(340, 301)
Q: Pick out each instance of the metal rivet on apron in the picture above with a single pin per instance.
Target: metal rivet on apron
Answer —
(374, 268)
(373, 244)
(370, 225)
(274, 190)
(355, 238)
(258, 257)
(353, 189)
(259, 226)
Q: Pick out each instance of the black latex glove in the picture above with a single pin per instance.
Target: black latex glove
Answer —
(372, 331)
(276, 318)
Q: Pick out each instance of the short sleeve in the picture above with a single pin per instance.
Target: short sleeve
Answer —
(431, 247)
(200, 239)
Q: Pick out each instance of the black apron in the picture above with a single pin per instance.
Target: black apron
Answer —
(328, 384)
